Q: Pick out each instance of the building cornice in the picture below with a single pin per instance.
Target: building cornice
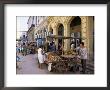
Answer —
(31, 29)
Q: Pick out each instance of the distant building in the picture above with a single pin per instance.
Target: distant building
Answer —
(40, 30)
(37, 26)
(21, 37)
(31, 27)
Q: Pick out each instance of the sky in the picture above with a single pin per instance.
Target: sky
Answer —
(21, 25)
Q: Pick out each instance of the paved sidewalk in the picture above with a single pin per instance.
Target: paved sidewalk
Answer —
(29, 65)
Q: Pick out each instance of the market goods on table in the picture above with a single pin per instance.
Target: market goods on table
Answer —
(52, 57)
(60, 63)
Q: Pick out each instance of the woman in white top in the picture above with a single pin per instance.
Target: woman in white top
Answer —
(40, 56)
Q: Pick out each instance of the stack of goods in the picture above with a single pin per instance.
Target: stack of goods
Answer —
(72, 52)
(52, 57)
(69, 52)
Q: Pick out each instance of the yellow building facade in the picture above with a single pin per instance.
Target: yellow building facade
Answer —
(85, 25)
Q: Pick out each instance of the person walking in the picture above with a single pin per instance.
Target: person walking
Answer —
(24, 50)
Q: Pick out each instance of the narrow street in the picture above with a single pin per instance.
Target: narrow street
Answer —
(29, 65)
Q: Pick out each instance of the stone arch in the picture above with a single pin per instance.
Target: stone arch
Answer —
(83, 27)
(50, 27)
(75, 31)
(69, 20)
(57, 27)
(60, 32)
(51, 30)
(83, 20)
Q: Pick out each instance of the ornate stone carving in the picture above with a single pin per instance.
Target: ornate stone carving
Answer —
(66, 20)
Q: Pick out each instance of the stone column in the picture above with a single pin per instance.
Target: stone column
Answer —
(87, 33)
(48, 29)
(55, 32)
(84, 29)
(67, 34)
(91, 37)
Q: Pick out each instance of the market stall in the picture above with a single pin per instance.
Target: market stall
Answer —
(66, 61)
(56, 37)
(53, 60)
(61, 63)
